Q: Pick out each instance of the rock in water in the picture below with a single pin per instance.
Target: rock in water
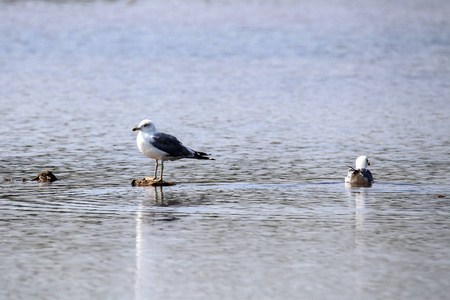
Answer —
(46, 176)
(146, 181)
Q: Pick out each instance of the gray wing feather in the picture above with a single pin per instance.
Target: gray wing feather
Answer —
(366, 173)
(170, 144)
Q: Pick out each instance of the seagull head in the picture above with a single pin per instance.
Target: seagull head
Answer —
(145, 126)
(362, 162)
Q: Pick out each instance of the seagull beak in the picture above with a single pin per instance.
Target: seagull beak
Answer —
(136, 129)
(368, 163)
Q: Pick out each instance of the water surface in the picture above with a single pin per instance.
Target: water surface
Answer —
(284, 94)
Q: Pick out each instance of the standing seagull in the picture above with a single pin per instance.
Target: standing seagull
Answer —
(161, 146)
(360, 175)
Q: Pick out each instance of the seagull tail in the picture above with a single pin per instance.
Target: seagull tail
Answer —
(355, 171)
(202, 155)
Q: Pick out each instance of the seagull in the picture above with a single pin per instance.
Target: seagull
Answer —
(359, 176)
(162, 146)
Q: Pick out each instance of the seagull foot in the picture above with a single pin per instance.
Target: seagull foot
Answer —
(161, 182)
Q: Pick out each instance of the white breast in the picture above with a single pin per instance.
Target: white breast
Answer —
(144, 144)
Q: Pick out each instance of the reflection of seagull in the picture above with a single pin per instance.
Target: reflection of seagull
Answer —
(161, 146)
(360, 175)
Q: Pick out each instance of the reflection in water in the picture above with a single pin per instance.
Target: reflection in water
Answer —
(360, 205)
(157, 193)
(143, 245)
(356, 199)
(139, 237)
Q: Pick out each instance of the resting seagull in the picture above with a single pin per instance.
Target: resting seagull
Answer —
(359, 176)
(161, 146)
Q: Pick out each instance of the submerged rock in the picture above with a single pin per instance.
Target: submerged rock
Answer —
(147, 181)
(46, 176)
(11, 180)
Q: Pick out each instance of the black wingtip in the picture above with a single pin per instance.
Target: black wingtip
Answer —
(202, 155)
(205, 157)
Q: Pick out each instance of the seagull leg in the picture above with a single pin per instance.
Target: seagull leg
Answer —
(162, 168)
(156, 170)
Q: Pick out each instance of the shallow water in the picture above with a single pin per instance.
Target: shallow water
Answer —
(283, 94)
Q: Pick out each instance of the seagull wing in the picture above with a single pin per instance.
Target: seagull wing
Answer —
(367, 174)
(171, 145)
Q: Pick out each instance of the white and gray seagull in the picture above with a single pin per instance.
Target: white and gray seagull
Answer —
(360, 176)
(162, 146)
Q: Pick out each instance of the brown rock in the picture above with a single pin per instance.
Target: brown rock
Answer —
(147, 181)
(46, 176)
